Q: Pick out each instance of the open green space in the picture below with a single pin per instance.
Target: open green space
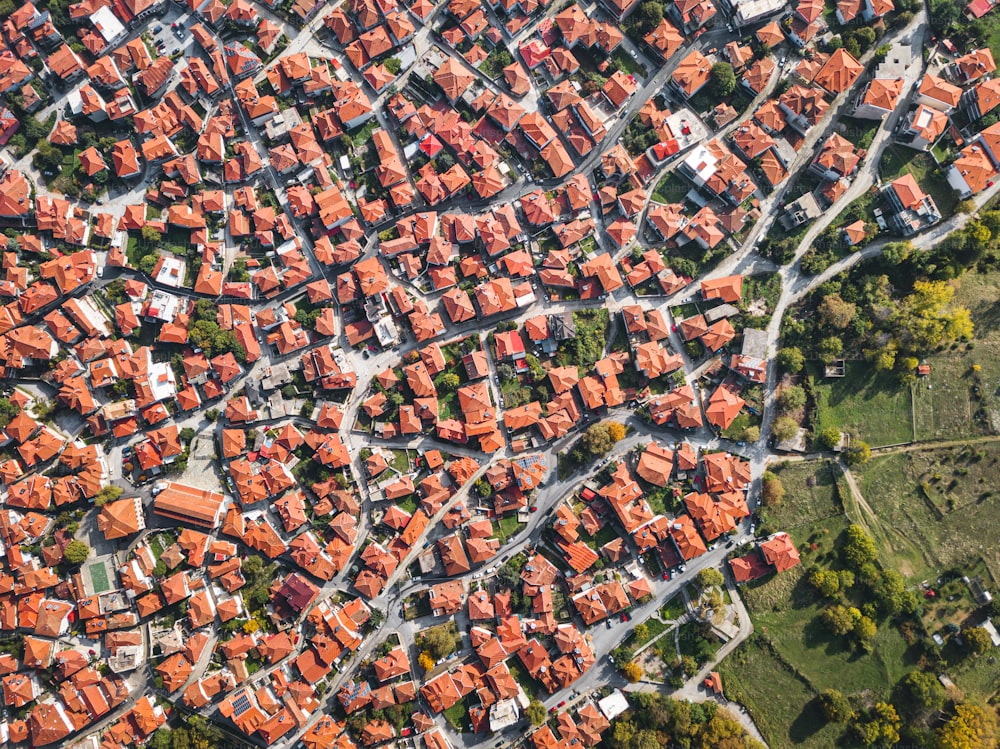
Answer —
(935, 509)
(782, 705)
(797, 651)
(408, 503)
(522, 677)
(810, 495)
(871, 406)
(959, 397)
(508, 526)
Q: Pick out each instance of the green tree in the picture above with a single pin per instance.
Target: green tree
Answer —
(633, 672)
(835, 706)
(535, 368)
(827, 582)
(865, 631)
(506, 373)
(648, 17)
(751, 433)
(439, 641)
(791, 399)
(597, 439)
(76, 552)
(150, 235)
(772, 490)
(8, 410)
(978, 639)
(722, 80)
(858, 453)
(710, 577)
(448, 382)
(834, 312)
(971, 727)
(784, 428)
(859, 548)
(160, 739)
(146, 265)
(535, 712)
(923, 691)
(393, 65)
(841, 619)
(828, 439)
(790, 359)
(108, 494)
(830, 348)
(47, 157)
(879, 726)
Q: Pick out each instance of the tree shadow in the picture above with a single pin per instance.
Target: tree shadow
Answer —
(809, 722)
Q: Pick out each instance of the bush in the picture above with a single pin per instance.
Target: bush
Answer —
(828, 439)
(858, 453)
(835, 706)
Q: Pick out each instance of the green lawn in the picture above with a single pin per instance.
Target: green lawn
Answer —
(672, 188)
(455, 715)
(626, 63)
(654, 627)
(508, 527)
(522, 677)
(899, 160)
(400, 461)
(408, 503)
(673, 608)
(872, 407)
(859, 132)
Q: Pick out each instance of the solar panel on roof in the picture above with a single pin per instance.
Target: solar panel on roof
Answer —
(241, 705)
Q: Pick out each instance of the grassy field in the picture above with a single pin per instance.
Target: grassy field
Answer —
(924, 502)
(791, 645)
(899, 160)
(947, 409)
(782, 705)
(810, 495)
(870, 406)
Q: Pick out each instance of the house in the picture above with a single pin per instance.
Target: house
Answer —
(691, 74)
(973, 66)
(879, 98)
(924, 125)
(939, 94)
(836, 160)
(912, 209)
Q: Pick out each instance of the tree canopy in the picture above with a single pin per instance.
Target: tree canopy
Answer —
(76, 552)
(722, 82)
